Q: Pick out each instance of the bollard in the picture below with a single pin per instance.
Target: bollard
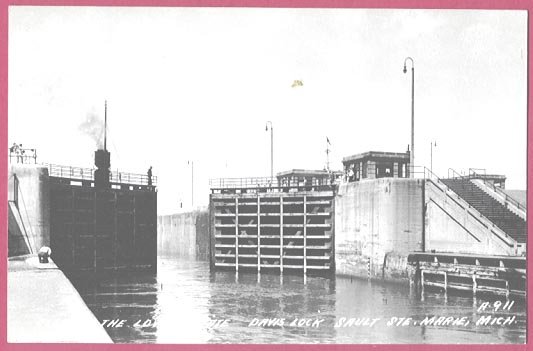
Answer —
(44, 253)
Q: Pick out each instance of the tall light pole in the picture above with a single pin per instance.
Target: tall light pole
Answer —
(412, 154)
(433, 143)
(192, 182)
(271, 149)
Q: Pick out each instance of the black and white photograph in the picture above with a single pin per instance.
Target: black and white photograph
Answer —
(246, 175)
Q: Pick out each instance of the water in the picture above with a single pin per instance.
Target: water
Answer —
(182, 303)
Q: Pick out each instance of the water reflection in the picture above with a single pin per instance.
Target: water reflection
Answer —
(186, 303)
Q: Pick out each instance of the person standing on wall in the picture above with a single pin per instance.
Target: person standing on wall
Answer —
(150, 176)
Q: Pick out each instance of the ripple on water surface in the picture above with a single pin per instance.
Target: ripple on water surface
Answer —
(184, 299)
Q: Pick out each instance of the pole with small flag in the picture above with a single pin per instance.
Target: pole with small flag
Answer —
(328, 144)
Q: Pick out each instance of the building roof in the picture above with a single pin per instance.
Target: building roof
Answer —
(377, 155)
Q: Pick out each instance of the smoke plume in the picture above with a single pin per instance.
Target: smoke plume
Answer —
(93, 127)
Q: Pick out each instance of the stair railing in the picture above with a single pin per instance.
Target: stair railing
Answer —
(472, 172)
(507, 198)
(455, 174)
(430, 176)
(498, 190)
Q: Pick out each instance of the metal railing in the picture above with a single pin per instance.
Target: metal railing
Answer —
(474, 171)
(87, 174)
(473, 175)
(506, 196)
(132, 178)
(77, 173)
(429, 175)
(250, 182)
(267, 182)
(18, 155)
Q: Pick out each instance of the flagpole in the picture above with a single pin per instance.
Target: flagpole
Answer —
(327, 153)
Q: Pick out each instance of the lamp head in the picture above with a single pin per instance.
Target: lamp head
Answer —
(266, 127)
(404, 68)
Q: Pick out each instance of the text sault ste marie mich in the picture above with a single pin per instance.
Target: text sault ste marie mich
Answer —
(343, 322)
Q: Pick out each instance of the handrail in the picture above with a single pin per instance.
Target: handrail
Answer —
(491, 185)
(506, 196)
(460, 199)
(454, 172)
(20, 155)
(80, 173)
(472, 171)
(264, 182)
(249, 182)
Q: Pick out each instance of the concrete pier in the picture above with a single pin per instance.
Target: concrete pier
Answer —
(44, 307)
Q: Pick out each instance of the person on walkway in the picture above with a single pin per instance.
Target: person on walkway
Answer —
(150, 176)
(13, 151)
(20, 153)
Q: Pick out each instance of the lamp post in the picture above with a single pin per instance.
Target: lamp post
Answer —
(192, 182)
(433, 144)
(412, 154)
(271, 149)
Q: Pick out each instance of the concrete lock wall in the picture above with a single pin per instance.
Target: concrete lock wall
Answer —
(377, 223)
(184, 235)
(33, 201)
(452, 228)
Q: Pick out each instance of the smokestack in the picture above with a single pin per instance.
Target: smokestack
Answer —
(103, 164)
(102, 160)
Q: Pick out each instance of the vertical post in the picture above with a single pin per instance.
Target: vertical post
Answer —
(271, 150)
(281, 234)
(446, 281)
(474, 284)
(413, 118)
(422, 280)
(327, 153)
(412, 153)
(105, 125)
(236, 234)
(190, 162)
(16, 190)
(95, 230)
(271, 153)
(258, 234)
(305, 235)
(115, 229)
(431, 158)
(507, 289)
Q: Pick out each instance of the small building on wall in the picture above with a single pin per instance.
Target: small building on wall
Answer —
(311, 179)
(376, 164)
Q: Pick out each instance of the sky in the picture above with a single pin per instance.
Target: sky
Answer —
(196, 86)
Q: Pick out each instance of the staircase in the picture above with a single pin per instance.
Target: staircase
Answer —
(489, 207)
